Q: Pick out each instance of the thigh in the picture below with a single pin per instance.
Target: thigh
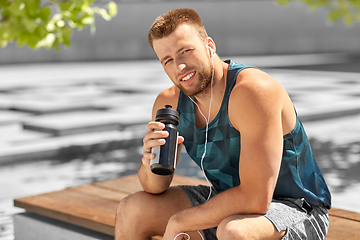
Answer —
(163, 205)
(247, 227)
(298, 218)
(151, 212)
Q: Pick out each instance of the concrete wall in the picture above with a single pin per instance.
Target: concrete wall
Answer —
(238, 28)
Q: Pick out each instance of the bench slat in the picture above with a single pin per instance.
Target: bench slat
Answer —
(100, 192)
(344, 214)
(74, 207)
(128, 185)
(341, 228)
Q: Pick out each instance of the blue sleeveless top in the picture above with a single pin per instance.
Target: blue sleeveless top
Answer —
(299, 176)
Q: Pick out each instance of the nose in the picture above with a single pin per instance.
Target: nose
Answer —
(180, 66)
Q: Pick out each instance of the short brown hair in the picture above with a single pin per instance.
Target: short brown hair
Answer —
(165, 24)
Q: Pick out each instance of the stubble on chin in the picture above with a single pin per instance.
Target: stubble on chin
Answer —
(204, 86)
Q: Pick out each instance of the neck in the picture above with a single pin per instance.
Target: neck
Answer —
(212, 96)
(216, 86)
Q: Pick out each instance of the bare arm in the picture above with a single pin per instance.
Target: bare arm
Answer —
(151, 182)
(255, 110)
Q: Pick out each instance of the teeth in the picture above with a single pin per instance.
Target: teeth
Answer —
(187, 77)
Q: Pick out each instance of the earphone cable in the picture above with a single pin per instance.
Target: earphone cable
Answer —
(206, 141)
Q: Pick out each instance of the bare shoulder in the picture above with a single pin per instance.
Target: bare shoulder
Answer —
(255, 85)
(168, 96)
(256, 97)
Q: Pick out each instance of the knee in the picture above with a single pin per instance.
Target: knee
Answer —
(225, 230)
(123, 207)
(231, 228)
(123, 210)
(130, 207)
(127, 216)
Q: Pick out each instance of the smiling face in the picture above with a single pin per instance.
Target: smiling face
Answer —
(185, 59)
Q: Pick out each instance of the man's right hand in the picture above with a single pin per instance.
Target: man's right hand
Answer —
(154, 137)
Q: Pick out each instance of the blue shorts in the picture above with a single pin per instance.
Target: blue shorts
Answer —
(296, 216)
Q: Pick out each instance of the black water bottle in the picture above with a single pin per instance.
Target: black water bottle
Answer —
(165, 156)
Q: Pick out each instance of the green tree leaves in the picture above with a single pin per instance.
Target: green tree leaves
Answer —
(346, 10)
(48, 23)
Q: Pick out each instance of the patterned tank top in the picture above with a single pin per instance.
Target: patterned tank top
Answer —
(299, 176)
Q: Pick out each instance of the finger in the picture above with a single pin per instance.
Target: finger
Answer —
(147, 157)
(155, 126)
(151, 135)
(153, 143)
(181, 139)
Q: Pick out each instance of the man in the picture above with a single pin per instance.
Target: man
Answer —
(266, 183)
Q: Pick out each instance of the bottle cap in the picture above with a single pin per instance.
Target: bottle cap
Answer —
(167, 113)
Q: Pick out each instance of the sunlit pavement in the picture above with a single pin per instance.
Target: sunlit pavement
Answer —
(102, 106)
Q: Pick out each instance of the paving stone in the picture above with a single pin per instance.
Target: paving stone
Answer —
(125, 100)
(11, 130)
(37, 106)
(335, 129)
(20, 136)
(79, 71)
(321, 95)
(5, 101)
(9, 117)
(146, 85)
(66, 93)
(291, 60)
(142, 87)
(50, 147)
(80, 122)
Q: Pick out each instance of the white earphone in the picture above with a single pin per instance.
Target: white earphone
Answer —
(211, 51)
(206, 138)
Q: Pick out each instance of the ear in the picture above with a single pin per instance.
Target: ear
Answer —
(211, 45)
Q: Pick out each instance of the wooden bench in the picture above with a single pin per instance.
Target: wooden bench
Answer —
(93, 206)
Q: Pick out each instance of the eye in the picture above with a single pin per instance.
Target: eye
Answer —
(167, 61)
(186, 51)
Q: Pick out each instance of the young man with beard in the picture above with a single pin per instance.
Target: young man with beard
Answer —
(265, 181)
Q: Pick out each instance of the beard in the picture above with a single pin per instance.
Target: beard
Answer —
(205, 77)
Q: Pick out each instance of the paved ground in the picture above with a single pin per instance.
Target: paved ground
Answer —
(57, 120)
